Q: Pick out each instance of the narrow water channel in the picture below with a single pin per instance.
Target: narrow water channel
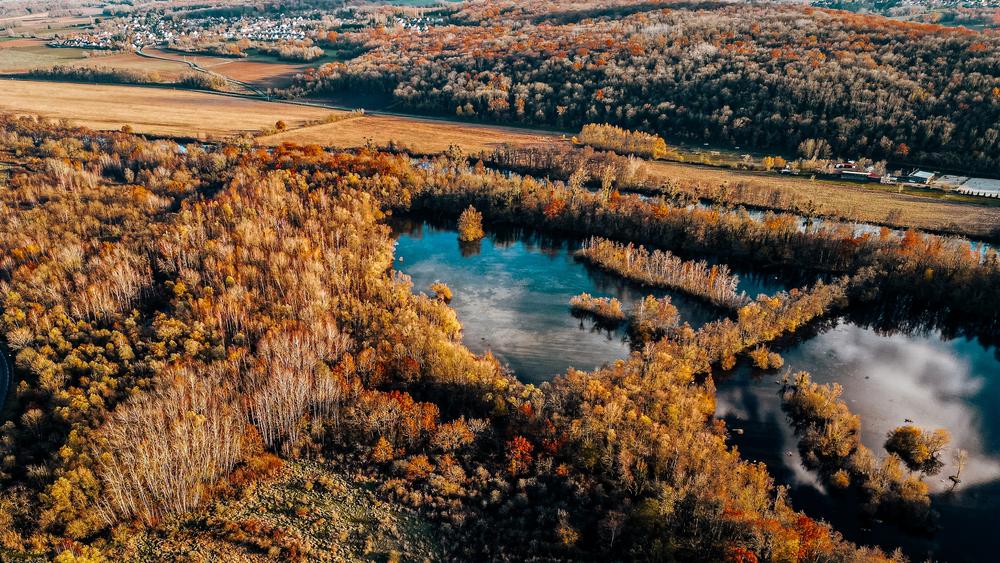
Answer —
(511, 295)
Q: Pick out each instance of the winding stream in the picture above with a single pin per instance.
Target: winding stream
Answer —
(511, 293)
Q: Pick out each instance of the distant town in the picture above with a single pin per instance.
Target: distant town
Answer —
(147, 29)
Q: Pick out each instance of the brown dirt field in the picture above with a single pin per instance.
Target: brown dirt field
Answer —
(21, 43)
(149, 110)
(205, 61)
(264, 74)
(268, 75)
(421, 135)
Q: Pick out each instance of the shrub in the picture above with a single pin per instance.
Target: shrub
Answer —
(609, 137)
(765, 359)
(442, 291)
(918, 450)
(604, 308)
(470, 225)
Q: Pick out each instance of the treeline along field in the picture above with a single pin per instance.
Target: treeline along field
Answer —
(520, 150)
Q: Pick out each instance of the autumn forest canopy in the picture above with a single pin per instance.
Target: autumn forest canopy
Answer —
(751, 75)
(214, 313)
(212, 350)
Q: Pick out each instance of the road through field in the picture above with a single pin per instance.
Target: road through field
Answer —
(197, 68)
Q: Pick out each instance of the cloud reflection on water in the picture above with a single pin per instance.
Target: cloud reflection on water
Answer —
(513, 300)
(886, 379)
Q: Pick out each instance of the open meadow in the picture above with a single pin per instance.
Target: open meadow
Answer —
(424, 136)
(19, 55)
(156, 111)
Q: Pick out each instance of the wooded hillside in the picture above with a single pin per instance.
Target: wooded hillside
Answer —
(816, 82)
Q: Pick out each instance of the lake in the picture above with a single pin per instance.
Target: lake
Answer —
(511, 293)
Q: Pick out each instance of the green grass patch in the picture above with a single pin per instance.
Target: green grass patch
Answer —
(37, 56)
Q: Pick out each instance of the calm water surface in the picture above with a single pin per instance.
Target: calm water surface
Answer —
(512, 292)
(511, 295)
(887, 379)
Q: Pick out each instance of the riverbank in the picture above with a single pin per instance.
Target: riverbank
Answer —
(508, 294)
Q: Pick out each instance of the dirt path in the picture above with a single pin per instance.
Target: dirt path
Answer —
(197, 68)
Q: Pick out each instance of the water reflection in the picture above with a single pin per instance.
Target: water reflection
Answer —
(512, 289)
(887, 379)
(470, 248)
(512, 293)
(856, 228)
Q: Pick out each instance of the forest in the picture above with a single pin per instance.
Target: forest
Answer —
(807, 81)
(215, 354)
(216, 315)
(159, 302)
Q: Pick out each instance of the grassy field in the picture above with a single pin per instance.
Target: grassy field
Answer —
(18, 55)
(869, 202)
(159, 111)
(421, 135)
(193, 114)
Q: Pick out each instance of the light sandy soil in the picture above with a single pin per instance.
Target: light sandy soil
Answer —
(159, 111)
(422, 135)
